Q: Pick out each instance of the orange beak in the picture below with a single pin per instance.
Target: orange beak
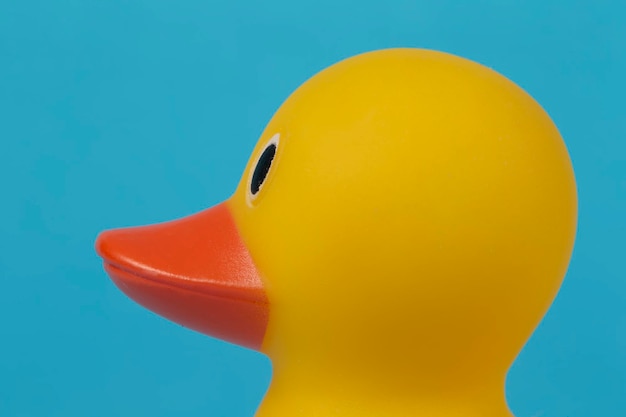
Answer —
(195, 271)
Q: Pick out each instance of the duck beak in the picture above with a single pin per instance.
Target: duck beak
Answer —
(195, 271)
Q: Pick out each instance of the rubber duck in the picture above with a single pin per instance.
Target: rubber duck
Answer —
(403, 224)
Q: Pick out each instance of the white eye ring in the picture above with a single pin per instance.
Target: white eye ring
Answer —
(261, 168)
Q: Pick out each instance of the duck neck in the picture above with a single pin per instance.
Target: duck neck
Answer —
(307, 391)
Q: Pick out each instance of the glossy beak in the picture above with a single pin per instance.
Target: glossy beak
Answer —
(195, 271)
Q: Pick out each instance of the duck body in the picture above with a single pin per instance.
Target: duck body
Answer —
(402, 226)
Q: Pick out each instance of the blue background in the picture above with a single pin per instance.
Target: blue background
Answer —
(115, 113)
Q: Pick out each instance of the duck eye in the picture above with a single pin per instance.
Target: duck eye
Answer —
(263, 165)
(262, 168)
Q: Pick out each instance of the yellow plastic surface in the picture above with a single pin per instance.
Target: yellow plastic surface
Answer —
(414, 227)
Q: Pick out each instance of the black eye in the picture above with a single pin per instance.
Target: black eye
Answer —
(262, 168)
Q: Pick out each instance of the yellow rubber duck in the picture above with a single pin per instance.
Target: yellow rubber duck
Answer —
(403, 224)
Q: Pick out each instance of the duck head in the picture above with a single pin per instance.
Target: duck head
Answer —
(402, 226)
